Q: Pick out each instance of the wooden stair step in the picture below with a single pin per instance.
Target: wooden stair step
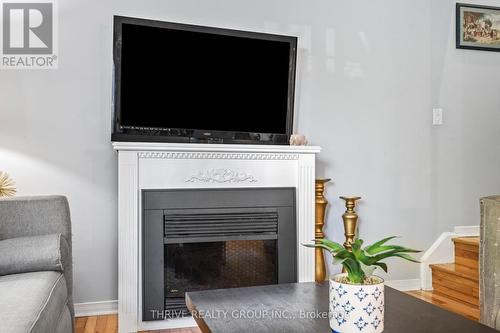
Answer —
(466, 258)
(455, 294)
(446, 303)
(467, 251)
(457, 270)
(463, 285)
(458, 282)
(472, 241)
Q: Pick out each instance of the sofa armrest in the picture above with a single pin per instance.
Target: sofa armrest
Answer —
(32, 216)
(34, 253)
(35, 216)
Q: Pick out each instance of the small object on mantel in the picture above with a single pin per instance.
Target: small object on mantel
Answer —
(298, 140)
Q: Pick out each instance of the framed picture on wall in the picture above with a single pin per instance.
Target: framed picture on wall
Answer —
(478, 27)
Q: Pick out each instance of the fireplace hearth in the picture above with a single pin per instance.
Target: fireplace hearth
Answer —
(201, 239)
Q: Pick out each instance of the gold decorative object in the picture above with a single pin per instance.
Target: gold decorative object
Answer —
(350, 220)
(321, 203)
(7, 188)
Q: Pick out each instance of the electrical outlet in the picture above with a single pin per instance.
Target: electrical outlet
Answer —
(437, 116)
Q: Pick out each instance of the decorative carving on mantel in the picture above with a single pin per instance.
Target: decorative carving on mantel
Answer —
(218, 155)
(221, 176)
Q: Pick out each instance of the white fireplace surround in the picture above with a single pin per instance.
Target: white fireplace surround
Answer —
(181, 166)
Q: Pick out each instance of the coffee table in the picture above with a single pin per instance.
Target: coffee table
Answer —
(303, 307)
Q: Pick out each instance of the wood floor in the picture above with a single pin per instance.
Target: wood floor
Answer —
(109, 324)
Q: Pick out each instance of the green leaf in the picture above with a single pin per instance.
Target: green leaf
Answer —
(356, 247)
(407, 257)
(390, 248)
(362, 257)
(337, 260)
(381, 265)
(357, 244)
(368, 270)
(354, 272)
(320, 246)
(344, 254)
(389, 254)
(376, 245)
(333, 245)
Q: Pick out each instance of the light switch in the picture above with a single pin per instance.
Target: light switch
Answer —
(437, 116)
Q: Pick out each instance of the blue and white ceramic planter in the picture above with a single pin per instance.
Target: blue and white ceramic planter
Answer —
(356, 308)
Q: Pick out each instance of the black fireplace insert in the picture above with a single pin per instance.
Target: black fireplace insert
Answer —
(205, 239)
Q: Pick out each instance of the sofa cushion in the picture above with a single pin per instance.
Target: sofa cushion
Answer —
(32, 254)
(32, 302)
(65, 324)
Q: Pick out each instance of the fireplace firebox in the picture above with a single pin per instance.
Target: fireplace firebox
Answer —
(200, 239)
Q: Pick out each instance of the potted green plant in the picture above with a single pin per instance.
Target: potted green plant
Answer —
(357, 296)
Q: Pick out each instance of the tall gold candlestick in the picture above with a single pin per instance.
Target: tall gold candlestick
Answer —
(321, 203)
(350, 221)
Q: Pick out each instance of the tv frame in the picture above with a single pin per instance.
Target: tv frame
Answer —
(186, 135)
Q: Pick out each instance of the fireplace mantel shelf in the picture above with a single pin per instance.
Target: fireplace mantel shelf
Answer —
(151, 166)
(203, 147)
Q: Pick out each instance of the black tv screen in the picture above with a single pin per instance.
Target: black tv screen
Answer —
(176, 82)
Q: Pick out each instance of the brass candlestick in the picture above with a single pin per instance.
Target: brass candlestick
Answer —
(350, 221)
(321, 203)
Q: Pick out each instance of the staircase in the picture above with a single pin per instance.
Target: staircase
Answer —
(456, 285)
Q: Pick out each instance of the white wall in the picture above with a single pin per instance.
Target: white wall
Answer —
(466, 151)
(372, 117)
(369, 74)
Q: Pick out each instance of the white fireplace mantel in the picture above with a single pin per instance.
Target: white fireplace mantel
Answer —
(172, 165)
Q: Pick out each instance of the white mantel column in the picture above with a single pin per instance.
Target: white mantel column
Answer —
(128, 241)
(305, 217)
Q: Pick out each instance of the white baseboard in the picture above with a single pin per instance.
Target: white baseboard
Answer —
(404, 285)
(96, 308)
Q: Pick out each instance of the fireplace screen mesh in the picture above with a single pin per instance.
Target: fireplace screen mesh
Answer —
(215, 265)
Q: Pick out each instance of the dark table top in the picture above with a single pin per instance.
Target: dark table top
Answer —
(303, 307)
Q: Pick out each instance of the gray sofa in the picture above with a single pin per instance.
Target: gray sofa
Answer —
(36, 278)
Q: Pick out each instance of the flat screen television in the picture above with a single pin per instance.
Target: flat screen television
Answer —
(185, 83)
